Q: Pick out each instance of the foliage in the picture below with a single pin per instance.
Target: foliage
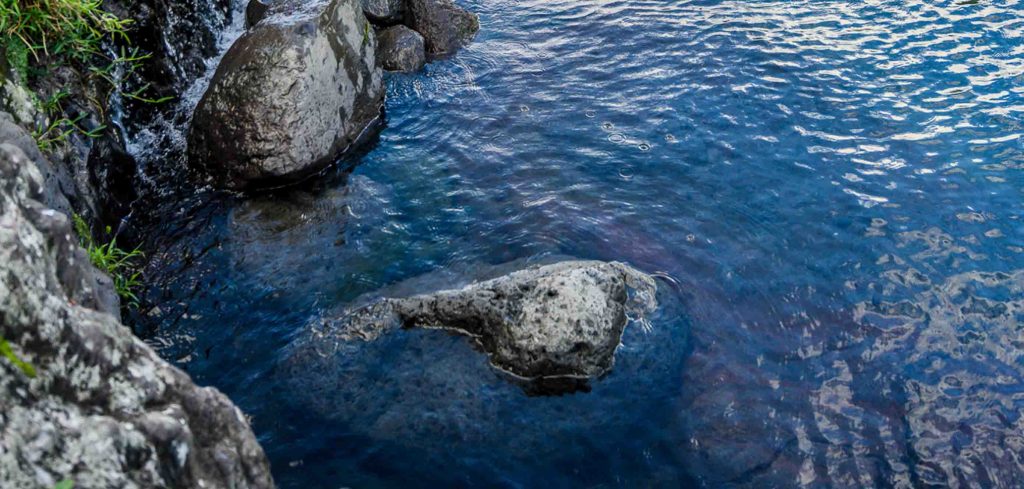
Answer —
(72, 28)
(65, 484)
(7, 352)
(78, 33)
(116, 262)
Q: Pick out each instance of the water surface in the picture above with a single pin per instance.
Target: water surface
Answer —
(829, 191)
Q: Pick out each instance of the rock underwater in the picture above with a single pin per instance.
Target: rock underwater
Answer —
(561, 320)
(81, 398)
(289, 96)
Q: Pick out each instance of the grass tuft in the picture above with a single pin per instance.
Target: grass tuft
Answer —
(38, 35)
(72, 28)
(114, 261)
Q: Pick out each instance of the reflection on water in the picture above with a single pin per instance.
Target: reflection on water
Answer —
(829, 192)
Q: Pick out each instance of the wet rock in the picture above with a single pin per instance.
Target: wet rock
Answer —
(289, 96)
(559, 320)
(255, 11)
(385, 12)
(92, 403)
(445, 26)
(401, 49)
(179, 35)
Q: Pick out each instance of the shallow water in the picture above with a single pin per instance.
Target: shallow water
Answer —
(830, 193)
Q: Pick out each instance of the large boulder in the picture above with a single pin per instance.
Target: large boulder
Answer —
(81, 398)
(400, 48)
(289, 96)
(385, 12)
(445, 26)
(558, 320)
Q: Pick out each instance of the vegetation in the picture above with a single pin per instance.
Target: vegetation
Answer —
(78, 33)
(7, 352)
(116, 262)
(74, 29)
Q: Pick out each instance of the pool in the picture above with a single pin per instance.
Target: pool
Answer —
(828, 192)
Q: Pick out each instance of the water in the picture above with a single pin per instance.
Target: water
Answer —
(830, 193)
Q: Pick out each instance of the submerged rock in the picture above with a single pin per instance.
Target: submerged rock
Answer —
(401, 49)
(445, 27)
(559, 320)
(385, 12)
(289, 96)
(85, 399)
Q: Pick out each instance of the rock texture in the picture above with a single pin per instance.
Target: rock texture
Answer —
(400, 48)
(445, 27)
(559, 320)
(289, 96)
(384, 12)
(100, 407)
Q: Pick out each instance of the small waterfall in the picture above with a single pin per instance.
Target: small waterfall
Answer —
(158, 145)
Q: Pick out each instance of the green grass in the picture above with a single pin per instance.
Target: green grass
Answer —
(118, 263)
(38, 35)
(60, 28)
(7, 352)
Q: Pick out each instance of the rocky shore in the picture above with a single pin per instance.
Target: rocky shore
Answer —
(82, 398)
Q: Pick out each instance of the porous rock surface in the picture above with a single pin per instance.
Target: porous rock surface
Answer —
(102, 409)
(401, 49)
(289, 96)
(557, 320)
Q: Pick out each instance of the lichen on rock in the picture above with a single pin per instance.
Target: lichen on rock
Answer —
(102, 409)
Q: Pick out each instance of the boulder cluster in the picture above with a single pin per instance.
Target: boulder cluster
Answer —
(304, 83)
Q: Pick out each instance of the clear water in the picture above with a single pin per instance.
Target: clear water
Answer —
(829, 191)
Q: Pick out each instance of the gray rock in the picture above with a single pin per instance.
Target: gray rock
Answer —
(400, 48)
(445, 26)
(385, 12)
(558, 320)
(57, 185)
(98, 407)
(289, 96)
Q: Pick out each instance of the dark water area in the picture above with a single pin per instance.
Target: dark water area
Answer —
(829, 192)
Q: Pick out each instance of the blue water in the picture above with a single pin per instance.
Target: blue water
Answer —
(830, 193)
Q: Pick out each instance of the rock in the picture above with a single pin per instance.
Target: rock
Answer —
(93, 403)
(289, 96)
(445, 26)
(57, 185)
(384, 12)
(558, 320)
(255, 11)
(400, 48)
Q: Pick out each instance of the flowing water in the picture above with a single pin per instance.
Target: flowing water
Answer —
(829, 192)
